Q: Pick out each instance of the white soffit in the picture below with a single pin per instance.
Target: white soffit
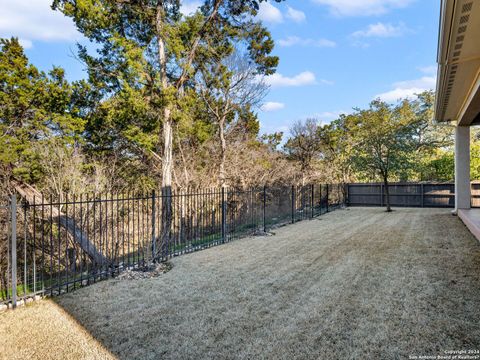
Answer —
(458, 81)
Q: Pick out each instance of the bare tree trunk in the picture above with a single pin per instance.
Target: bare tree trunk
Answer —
(303, 170)
(223, 144)
(167, 165)
(186, 175)
(167, 168)
(167, 161)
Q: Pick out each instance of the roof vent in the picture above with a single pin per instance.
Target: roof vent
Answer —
(467, 7)
(462, 27)
(464, 19)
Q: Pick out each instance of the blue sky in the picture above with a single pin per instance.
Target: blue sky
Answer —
(334, 54)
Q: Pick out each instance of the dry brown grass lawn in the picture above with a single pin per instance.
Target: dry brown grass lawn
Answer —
(43, 330)
(352, 284)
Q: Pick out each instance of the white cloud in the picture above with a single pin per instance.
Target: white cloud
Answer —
(424, 82)
(290, 41)
(361, 44)
(26, 44)
(382, 30)
(272, 106)
(328, 116)
(278, 80)
(295, 15)
(408, 89)
(269, 13)
(324, 43)
(189, 7)
(430, 70)
(362, 7)
(326, 82)
(35, 20)
(295, 40)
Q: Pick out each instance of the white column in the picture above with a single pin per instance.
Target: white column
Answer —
(462, 167)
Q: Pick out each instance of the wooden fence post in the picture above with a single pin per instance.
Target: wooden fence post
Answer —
(13, 212)
(423, 195)
(346, 200)
(381, 194)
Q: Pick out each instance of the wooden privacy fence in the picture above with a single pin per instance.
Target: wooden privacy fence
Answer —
(408, 194)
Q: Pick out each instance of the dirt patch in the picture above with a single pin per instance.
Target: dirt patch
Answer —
(146, 272)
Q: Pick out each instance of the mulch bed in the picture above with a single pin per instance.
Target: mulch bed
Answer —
(146, 272)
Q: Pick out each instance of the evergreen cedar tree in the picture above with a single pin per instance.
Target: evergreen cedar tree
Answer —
(37, 109)
(148, 57)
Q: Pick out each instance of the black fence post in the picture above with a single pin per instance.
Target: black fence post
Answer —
(312, 202)
(25, 225)
(327, 197)
(265, 209)
(224, 215)
(321, 199)
(338, 195)
(154, 245)
(13, 212)
(293, 204)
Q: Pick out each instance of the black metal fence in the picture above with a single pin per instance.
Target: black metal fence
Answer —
(408, 194)
(50, 247)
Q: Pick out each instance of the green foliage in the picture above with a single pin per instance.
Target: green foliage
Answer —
(248, 122)
(143, 77)
(475, 160)
(388, 142)
(201, 76)
(36, 108)
(272, 140)
(336, 144)
(128, 66)
(438, 167)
